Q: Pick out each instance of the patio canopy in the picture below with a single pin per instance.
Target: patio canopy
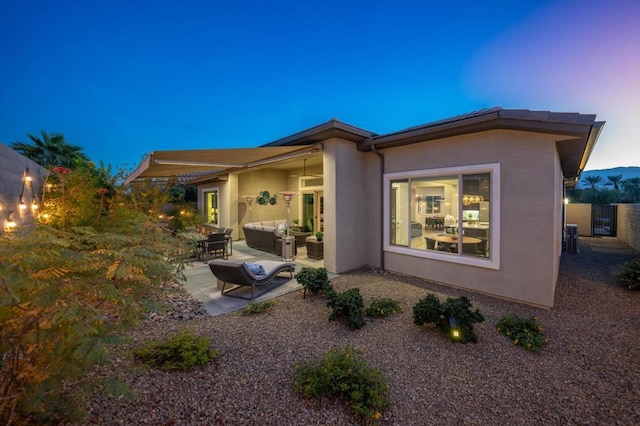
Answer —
(163, 164)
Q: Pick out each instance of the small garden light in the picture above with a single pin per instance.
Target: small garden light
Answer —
(10, 223)
(455, 331)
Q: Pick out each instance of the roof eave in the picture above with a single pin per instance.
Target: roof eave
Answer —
(331, 129)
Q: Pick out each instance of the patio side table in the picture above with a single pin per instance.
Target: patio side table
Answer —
(315, 249)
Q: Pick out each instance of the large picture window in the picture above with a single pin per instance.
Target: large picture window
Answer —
(448, 214)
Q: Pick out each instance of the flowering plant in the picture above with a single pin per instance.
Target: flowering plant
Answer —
(526, 332)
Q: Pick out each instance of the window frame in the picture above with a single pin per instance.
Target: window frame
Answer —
(493, 262)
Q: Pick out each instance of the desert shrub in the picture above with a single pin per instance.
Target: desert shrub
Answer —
(344, 374)
(630, 275)
(526, 332)
(258, 307)
(380, 308)
(454, 317)
(347, 306)
(427, 310)
(181, 351)
(67, 290)
(315, 280)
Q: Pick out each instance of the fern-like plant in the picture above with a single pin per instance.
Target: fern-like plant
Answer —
(181, 351)
(67, 288)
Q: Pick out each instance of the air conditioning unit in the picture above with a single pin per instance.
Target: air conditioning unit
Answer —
(571, 239)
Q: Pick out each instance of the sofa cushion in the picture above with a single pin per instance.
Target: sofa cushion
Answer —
(269, 223)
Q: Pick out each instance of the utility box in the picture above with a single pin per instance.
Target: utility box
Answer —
(571, 238)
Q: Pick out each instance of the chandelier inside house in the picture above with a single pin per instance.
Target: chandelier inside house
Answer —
(471, 199)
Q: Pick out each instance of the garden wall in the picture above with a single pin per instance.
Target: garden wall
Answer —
(628, 222)
(580, 214)
(629, 225)
(13, 166)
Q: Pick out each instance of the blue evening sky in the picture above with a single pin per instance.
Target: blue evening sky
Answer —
(124, 78)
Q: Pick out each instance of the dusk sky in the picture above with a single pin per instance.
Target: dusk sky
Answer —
(124, 78)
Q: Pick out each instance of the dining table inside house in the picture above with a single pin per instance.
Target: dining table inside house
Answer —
(453, 240)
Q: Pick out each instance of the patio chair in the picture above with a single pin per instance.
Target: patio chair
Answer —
(216, 246)
(240, 274)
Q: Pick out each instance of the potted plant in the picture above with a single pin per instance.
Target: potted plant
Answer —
(319, 235)
(296, 225)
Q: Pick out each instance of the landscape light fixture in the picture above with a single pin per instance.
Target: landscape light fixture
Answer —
(10, 223)
(455, 330)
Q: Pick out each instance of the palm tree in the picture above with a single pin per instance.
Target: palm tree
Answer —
(593, 181)
(615, 181)
(632, 189)
(51, 151)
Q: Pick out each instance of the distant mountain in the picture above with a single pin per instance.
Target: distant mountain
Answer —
(626, 172)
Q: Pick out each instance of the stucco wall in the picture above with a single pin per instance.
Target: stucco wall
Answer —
(235, 209)
(580, 214)
(531, 191)
(629, 224)
(12, 172)
(352, 207)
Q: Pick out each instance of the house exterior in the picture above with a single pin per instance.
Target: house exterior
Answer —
(474, 201)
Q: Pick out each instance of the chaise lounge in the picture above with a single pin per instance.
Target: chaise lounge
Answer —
(244, 274)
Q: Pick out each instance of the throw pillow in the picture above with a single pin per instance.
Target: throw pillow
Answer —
(281, 229)
(255, 268)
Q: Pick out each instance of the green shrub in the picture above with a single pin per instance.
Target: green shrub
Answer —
(180, 352)
(525, 332)
(258, 308)
(383, 307)
(348, 306)
(454, 317)
(630, 276)
(344, 374)
(314, 280)
(427, 310)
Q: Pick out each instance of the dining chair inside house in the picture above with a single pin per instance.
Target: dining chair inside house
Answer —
(470, 248)
(431, 244)
(430, 223)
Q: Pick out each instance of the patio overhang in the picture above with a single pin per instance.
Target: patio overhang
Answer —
(185, 163)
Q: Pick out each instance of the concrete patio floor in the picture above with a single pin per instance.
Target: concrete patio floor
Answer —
(202, 285)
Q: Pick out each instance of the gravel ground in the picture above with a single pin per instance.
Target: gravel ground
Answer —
(588, 374)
